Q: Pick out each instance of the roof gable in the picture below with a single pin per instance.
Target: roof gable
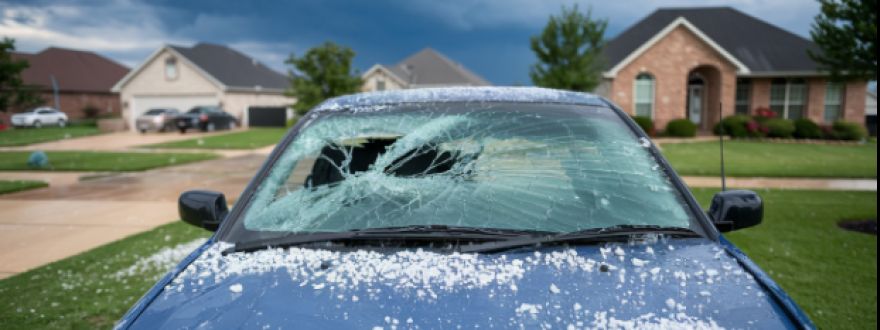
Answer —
(224, 66)
(73, 70)
(430, 68)
(756, 44)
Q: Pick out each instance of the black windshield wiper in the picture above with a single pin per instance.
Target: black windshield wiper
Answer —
(418, 232)
(584, 236)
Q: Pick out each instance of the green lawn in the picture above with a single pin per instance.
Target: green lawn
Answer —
(11, 186)
(25, 136)
(84, 291)
(830, 273)
(767, 159)
(100, 161)
(250, 139)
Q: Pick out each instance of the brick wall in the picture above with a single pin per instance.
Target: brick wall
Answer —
(760, 94)
(73, 103)
(816, 99)
(854, 101)
(670, 61)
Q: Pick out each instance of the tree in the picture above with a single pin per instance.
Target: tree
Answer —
(13, 92)
(846, 33)
(569, 51)
(323, 72)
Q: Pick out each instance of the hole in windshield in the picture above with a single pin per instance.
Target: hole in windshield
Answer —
(545, 167)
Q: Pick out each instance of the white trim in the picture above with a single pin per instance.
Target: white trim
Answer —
(131, 74)
(380, 67)
(681, 21)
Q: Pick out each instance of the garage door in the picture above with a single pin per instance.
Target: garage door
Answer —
(267, 116)
(141, 104)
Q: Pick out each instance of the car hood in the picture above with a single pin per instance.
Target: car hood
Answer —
(680, 283)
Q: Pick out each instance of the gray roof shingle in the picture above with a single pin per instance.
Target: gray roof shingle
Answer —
(760, 46)
(232, 68)
(429, 67)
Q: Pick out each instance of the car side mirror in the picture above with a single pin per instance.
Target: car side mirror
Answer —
(736, 209)
(202, 208)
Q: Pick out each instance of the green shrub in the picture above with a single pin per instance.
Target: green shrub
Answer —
(848, 131)
(681, 128)
(734, 126)
(780, 128)
(91, 111)
(805, 128)
(84, 122)
(646, 123)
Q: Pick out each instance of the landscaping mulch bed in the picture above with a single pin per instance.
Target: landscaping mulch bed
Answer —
(862, 226)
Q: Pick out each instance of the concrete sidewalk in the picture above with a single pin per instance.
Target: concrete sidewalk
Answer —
(783, 183)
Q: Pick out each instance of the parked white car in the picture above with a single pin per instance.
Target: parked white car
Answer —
(40, 117)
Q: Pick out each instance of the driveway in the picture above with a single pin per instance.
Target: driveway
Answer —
(45, 225)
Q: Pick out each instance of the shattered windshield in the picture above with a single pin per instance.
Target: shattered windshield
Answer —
(546, 167)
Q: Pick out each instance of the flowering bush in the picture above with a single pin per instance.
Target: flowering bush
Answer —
(764, 114)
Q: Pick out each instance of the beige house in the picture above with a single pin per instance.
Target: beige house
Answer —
(427, 68)
(206, 74)
(696, 62)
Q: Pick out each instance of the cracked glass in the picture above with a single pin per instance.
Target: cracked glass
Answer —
(546, 167)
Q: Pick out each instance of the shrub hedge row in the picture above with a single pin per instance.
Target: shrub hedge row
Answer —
(741, 126)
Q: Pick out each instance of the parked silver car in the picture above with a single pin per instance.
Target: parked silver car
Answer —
(158, 119)
(40, 117)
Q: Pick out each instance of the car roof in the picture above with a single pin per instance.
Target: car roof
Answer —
(461, 94)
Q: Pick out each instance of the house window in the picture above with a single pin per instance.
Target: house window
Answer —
(380, 85)
(643, 96)
(833, 102)
(743, 94)
(171, 68)
(788, 97)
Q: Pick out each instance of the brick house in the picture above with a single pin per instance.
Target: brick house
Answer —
(83, 79)
(684, 62)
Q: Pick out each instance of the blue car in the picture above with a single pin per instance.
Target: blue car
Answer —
(465, 208)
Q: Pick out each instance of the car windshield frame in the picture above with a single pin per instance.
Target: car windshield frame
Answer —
(231, 227)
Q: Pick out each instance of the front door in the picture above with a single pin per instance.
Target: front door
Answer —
(695, 103)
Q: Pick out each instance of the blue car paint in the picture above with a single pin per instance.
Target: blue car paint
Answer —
(275, 298)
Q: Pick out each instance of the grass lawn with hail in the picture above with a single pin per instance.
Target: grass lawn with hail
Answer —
(26, 136)
(831, 273)
(99, 161)
(768, 159)
(11, 186)
(250, 139)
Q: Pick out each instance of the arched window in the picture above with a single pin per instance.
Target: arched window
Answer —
(171, 68)
(643, 95)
